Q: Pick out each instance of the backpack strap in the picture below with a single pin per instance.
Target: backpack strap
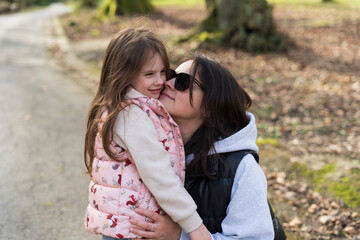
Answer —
(252, 152)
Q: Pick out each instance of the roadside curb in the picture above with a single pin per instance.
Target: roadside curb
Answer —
(66, 57)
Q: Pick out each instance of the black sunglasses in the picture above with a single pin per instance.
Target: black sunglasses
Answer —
(182, 80)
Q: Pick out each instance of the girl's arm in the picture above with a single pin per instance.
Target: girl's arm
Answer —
(248, 215)
(135, 131)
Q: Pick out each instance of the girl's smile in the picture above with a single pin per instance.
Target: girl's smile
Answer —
(151, 78)
(155, 91)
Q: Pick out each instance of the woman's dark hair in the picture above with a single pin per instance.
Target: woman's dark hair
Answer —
(224, 103)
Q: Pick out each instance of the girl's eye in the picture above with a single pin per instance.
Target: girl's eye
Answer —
(148, 74)
(162, 72)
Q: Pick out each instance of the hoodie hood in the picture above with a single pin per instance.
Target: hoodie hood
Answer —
(245, 139)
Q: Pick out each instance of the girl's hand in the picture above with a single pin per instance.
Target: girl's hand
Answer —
(201, 233)
(162, 227)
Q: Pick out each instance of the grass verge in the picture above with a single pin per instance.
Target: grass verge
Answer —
(345, 188)
(348, 4)
(183, 3)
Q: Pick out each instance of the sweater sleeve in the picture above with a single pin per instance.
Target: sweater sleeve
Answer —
(135, 131)
(248, 215)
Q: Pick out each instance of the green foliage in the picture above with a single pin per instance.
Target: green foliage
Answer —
(347, 188)
(107, 9)
(134, 6)
(317, 177)
(267, 141)
(213, 37)
(344, 128)
(317, 3)
(110, 8)
(87, 4)
(267, 130)
(95, 32)
(178, 2)
(38, 2)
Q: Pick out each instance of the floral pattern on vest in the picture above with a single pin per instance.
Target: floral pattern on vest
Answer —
(116, 188)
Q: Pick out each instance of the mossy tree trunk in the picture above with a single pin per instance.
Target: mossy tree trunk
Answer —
(88, 3)
(123, 7)
(21, 3)
(246, 24)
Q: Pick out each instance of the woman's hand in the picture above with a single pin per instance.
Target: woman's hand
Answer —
(162, 227)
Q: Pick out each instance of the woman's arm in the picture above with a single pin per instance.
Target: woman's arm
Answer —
(163, 228)
(248, 215)
(135, 131)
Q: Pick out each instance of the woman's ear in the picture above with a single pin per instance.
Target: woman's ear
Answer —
(204, 113)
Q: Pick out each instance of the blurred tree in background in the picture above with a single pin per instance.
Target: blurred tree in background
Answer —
(246, 24)
(87, 3)
(123, 7)
(21, 4)
(38, 2)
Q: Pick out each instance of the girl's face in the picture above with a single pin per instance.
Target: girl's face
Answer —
(177, 103)
(150, 80)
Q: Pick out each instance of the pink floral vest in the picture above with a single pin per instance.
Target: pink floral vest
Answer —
(116, 188)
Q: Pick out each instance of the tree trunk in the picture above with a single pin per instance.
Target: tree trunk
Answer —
(246, 24)
(124, 7)
(87, 3)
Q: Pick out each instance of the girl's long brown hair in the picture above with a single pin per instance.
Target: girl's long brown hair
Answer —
(225, 103)
(125, 56)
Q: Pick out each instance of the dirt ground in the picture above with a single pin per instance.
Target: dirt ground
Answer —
(306, 101)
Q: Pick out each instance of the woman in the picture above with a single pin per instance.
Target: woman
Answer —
(227, 184)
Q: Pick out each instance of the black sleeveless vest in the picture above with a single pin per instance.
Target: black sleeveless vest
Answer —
(212, 196)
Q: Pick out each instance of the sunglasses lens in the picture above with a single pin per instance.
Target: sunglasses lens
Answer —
(182, 81)
(172, 74)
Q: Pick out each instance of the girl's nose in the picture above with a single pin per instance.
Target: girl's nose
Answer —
(160, 80)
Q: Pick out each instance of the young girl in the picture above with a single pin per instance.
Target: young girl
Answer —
(133, 148)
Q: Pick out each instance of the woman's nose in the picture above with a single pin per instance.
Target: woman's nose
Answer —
(170, 83)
